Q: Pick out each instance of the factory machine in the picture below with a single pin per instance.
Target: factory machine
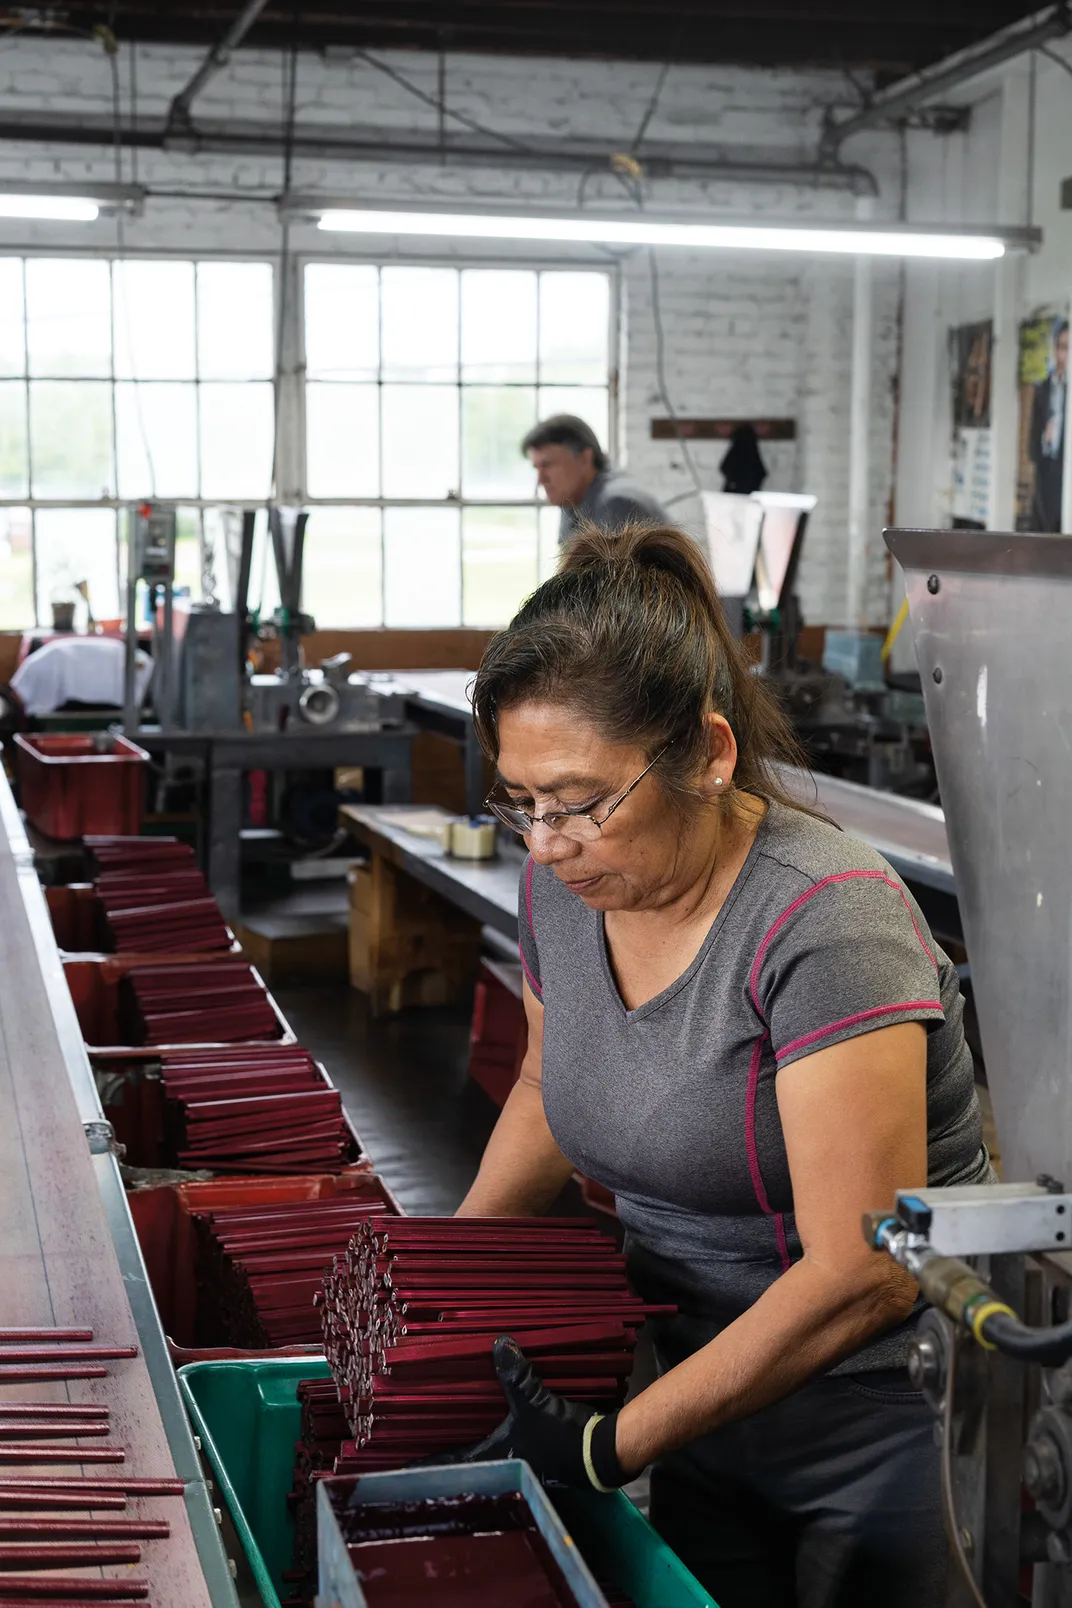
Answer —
(202, 681)
(993, 1352)
(852, 720)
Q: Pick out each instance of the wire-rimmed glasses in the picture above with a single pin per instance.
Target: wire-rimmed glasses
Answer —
(577, 825)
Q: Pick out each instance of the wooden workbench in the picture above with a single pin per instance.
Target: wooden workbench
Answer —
(417, 915)
(484, 889)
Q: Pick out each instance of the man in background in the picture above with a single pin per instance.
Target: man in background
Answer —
(576, 476)
(1048, 436)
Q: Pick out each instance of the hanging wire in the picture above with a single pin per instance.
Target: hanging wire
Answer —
(438, 105)
(660, 375)
(651, 108)
(290, 94)
(631, 174)
(110, 45)
(624, 165)
(133, 111)
(949, 1506)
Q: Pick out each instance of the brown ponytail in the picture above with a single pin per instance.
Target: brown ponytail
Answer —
(630, 633)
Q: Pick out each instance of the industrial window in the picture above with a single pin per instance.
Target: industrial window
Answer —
(121, 379)
(420, 383)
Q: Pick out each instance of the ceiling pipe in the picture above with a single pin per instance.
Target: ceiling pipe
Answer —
(367, 144)
(900, 98)
(179, 123)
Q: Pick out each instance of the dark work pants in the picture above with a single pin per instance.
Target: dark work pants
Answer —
(828, 1499)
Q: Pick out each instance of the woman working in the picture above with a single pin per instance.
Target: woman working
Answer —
(740, 1024)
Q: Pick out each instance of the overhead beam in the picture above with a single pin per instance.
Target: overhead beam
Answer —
(834, 34)
(903, 97)
(368, 144)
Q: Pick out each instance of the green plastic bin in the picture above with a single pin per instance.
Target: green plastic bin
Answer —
(248, 1417)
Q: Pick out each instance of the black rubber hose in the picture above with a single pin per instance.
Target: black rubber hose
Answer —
(1050, 1347)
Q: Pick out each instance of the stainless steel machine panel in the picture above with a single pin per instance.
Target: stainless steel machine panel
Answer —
(309, 700)
(208, 648)
(992, 615)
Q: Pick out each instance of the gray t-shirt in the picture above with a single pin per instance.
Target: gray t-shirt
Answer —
(611, 501)
(672, 1106)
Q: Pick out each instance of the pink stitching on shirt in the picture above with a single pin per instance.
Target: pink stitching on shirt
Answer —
(860, 1016)
(753, 1153)
(537, 988)
(838, 876)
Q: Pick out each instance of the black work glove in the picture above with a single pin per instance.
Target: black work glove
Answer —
(563, 1442)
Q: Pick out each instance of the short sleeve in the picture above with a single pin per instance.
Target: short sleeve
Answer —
(530, 958)
(849, 955)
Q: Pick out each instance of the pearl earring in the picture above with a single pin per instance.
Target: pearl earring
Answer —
(718, 781)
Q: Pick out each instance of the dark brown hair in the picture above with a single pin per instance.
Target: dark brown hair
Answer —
(630, 634)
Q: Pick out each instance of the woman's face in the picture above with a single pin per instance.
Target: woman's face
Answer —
(550, 759)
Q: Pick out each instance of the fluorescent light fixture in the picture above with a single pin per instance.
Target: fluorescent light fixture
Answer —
(68, 203)
(892, 240)
(54, 208)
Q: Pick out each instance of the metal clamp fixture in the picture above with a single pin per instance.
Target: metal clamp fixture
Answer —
(100, 1136)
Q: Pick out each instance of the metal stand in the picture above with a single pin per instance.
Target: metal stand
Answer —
(227, 758)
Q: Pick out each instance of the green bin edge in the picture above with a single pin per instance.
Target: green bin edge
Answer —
(248, 1418)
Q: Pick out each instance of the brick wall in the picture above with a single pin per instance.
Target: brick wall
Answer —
(742, 334)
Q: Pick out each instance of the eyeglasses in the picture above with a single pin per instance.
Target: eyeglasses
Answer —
(574, 824)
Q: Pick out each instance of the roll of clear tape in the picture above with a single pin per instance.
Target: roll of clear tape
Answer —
(473, 839)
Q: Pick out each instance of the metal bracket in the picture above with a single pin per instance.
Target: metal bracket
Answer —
(988, 1219)
(101, 1139)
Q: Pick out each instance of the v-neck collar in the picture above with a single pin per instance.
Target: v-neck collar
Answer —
(658, 1000)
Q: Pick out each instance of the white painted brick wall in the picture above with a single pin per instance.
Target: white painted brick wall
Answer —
(743, 335)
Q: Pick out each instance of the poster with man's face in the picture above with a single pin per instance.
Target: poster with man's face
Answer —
(1043, 403)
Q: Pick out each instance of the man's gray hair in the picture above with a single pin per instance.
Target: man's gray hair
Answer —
(565, 430)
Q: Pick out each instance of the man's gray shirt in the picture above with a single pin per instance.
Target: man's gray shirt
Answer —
(611, 501)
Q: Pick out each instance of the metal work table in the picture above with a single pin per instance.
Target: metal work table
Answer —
(69, 1251)
(911, 835)
(228, 757)
(484, 889)
(438, 700)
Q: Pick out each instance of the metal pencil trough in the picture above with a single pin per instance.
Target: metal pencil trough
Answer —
(339, 1580)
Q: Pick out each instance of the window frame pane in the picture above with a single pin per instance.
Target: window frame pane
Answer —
(291, 400)
(65, 493)
(465, 380)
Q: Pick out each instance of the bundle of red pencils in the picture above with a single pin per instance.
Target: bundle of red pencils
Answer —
(154, 897)
(219, 1001)
(412, 1308)
(112, 852)
(266, 1108)
(147, 920)
(323, 1430)
(262, 1266)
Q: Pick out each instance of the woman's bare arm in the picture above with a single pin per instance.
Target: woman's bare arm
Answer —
(523, 1170)
(855, 1123)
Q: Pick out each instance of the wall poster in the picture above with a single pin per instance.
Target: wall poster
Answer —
(970, 348)
(1043, 376)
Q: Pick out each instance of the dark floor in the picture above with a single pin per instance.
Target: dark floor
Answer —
(404, 1082)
